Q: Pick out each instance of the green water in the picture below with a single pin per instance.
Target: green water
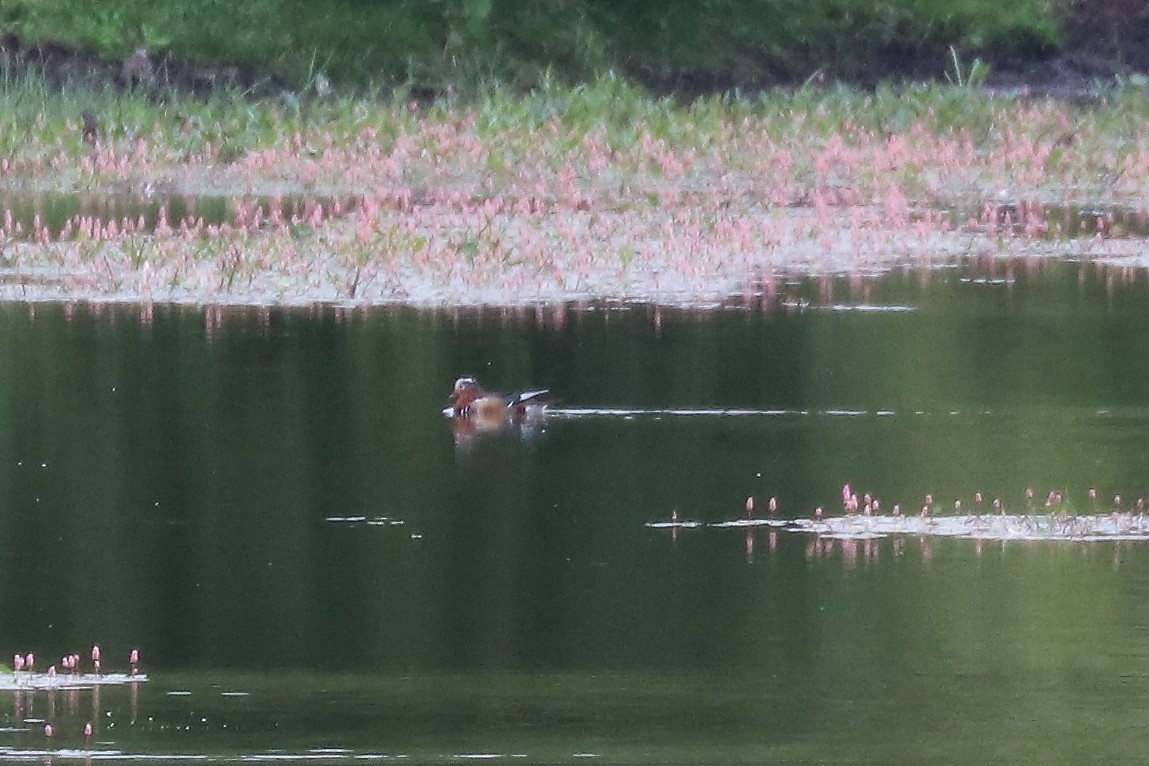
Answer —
(273, 509)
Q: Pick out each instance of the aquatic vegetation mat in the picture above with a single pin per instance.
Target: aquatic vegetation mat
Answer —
(566, 194)
(862, 519)
(991, 527)
(47, 681)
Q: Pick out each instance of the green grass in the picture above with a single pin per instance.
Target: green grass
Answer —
(549, 125)
(36, 116)
(457, 45)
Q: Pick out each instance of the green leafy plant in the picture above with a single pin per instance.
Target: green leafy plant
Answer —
(973, 76)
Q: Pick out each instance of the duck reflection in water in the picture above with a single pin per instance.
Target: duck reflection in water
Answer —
(476, 411)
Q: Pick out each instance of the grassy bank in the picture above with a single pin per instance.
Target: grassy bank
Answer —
(438, 45)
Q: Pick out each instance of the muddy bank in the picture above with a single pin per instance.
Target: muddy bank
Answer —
(64, 64)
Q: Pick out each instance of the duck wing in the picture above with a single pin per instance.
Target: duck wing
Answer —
(527, 396)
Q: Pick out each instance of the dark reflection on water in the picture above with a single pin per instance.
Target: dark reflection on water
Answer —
(1056, 222)
(69, 215)
(276, 513)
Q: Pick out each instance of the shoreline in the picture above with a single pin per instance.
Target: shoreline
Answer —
(565, 196)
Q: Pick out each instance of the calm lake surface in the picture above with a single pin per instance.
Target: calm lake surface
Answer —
(314, 565)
